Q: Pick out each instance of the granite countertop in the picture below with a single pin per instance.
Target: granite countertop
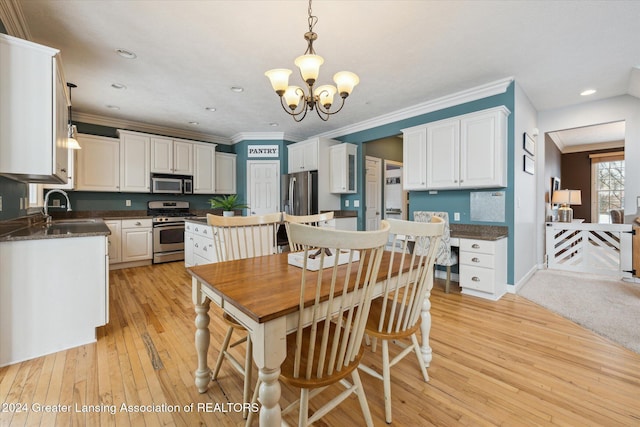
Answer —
(480, 232)
(58, 229)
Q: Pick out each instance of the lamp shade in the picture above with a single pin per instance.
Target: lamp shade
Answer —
(325, 94)
(567, 197)
(309, 67)
(292, 96)
(345, 80)
(72, 142)
(279, 79)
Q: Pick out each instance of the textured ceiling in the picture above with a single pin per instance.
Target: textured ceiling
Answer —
(190, 53)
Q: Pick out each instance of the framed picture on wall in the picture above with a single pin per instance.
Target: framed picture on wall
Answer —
(529, 165)
(529, 144)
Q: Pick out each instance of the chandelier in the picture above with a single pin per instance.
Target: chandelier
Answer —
(320, 98)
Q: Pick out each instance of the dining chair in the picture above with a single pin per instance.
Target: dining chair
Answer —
(303, 219)
(445, 256)
(234, 238)
(326, 347)
(397, 313)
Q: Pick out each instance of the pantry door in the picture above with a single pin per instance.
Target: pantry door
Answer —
(263, 186)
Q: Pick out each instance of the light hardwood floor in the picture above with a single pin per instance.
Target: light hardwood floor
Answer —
(494, 363)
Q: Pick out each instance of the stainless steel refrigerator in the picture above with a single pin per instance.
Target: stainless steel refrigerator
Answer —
(300, 193)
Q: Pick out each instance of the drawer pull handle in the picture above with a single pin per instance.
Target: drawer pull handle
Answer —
(475, 259)
(204, 248)
(138, 223)
(195, 245)
(475, 246)
(475, 278)
(197, 228)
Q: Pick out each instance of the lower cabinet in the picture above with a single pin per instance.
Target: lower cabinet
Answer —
(131, 240)
(483, 268)
(347, 224)
(198, 244)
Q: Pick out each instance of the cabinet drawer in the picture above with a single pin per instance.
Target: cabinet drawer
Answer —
(203, 230)
(481, 246)
(477, 259)
(136, 223)
(203, 247)
(478, 278)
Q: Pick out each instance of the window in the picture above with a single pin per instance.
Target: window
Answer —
(35, 197)
(607, 173)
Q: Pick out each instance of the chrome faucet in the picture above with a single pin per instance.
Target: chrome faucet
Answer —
(46, 203)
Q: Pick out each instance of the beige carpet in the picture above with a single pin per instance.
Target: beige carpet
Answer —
(610, 308)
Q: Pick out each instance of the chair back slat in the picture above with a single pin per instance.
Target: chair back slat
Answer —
(303, 219)
(240, 237)
(331, 338)
(404, 293)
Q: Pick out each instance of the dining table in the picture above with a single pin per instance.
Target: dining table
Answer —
(263, 295)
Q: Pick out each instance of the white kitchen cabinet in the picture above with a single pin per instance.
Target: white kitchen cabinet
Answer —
(483, 268)
(171, 156)
(71, 180)
(137, 240)
(114, 241)
(343, 168)
(225, 173)
(204, 168)
(33, 112)
(97, 163)
(198, 244)
(306, 155)
(135, 162)
(468, 151)
(414, 158)
(54, 293)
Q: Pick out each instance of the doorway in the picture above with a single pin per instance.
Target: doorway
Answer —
(395, 198)
(373, 193)
(263, 186)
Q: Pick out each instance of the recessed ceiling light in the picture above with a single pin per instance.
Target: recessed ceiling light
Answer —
(212, 109)
(194, 123)
(112, 107)
(126, 53)
(237, 89)
(588, 92)
(274, 124)
(118, 86)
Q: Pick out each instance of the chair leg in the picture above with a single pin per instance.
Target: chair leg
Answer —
(446, 286)
(423, 367)
(386, 380)
(362, 398)
(247, 376)
(225, 346)
(304, 408)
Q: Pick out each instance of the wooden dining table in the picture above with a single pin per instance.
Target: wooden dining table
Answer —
(263, 294)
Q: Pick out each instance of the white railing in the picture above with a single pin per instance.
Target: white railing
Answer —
(589, 248)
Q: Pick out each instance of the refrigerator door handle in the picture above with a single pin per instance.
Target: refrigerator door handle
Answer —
(292, 183)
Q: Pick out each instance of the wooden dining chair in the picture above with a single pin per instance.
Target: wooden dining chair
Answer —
(303, 219)
(396, 314)
(326, 346)
(239, 237)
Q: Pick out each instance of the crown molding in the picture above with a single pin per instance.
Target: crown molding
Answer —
(148, 128)
(266, 136)
(494, 88)
(13, 19)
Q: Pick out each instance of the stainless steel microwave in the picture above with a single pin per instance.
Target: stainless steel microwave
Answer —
(172, 184)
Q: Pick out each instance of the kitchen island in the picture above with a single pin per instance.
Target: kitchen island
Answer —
(54, 287)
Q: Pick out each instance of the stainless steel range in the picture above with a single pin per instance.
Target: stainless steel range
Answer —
(168, 229)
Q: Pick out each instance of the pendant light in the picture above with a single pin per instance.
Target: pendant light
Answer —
(72, 131)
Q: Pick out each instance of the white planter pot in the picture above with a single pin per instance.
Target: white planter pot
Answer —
(228, 213)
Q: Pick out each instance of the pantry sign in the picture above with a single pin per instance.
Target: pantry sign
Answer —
(263, 151)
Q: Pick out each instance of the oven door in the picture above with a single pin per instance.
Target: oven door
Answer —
(168, 242)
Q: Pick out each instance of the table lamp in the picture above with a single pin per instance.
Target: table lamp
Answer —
(566, 198)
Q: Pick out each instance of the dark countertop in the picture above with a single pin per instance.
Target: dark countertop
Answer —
(479, 232)
(58, 229)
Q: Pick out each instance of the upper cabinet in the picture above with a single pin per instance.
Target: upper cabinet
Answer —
(468, 151)
(33, 112)
(204, 168)
(171, 156)
(342, 168)
(303, 156)
(225, 173)
(98, 164)
(135, 162)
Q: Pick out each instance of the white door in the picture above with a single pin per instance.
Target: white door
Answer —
(373, 189)
(263, 186)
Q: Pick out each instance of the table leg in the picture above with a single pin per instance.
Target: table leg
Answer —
(425, 329)
(269, 397)
(203, 373)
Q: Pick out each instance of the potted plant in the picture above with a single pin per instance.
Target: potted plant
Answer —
(228, 204)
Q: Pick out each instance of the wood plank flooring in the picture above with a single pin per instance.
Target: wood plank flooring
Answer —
(508, 362)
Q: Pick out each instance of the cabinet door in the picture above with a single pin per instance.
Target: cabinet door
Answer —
(342, 168)
(114, 241)
(188, 249)
(183, 158)
(71, 162)
(98, 164)
(60, 121)
(443, 154)
(135, 160)
(483, 150)
(137, 244)
(296, 158)
(204, 168)
(414, 158)
(310, 155)
(225, 173)
(161, 155)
